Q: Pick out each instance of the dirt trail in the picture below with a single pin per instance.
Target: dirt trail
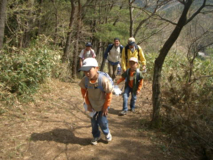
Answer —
(55, 127)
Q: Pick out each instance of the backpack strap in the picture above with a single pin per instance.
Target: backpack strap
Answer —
(93, 54)
(136, 47)
(126, 48)
(137, 74)
(86, 82)
(100, 76)
(107, 50)
(121, 48)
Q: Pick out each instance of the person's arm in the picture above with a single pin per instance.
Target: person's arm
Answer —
(85, 96)
(93, 53)
(81, 57)
(120, 80)
(107, 102)
(140, 85)
(106, 52)
(123, 60)
(80, 62)
(142, 58)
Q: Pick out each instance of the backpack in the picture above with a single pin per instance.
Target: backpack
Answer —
(111, 45)
(109, 48)
(91, 54)
(100, 77)
(127, 47)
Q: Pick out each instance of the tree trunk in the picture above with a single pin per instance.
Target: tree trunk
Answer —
(131, 19)
(69, 34)
(29, 25)
(56, 21)
(103, 59)
(156, 90)
(3, 8)
(75, 53)
(39, 21)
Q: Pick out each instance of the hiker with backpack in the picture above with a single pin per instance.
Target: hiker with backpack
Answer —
(96, 89)
(113, 54)
(133, 84)
(86, 53)
(132, 50)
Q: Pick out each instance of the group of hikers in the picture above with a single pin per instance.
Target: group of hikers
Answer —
(97, 89)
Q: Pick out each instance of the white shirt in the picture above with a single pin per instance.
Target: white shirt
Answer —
(114, 54)
(87, 54)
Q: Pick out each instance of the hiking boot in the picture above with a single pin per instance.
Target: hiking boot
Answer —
(108, 137)
(132, 109)
(122, 113)
(94, 141)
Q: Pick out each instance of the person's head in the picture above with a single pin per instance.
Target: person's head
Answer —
(88, 46)
(90, 68)
(133, 63)
(131, 42)
(132, 39)
(116, 42)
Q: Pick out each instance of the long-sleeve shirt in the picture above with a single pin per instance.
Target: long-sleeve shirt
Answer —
(132, 53)
(113, 53)
(98, 103)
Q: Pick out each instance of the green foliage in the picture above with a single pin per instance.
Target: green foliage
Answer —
(187, 99)
(107, 32)
(23, 70)
(150, 60)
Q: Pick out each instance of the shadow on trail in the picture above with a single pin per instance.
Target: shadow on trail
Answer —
(60, 135)
(114, 111)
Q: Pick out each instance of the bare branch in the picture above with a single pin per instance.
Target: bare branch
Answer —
(166, 20)
(206, 12)
(182, 2)
(209, 5)
(152, 34)
(209, 44)
(197, 12)
(195, 79)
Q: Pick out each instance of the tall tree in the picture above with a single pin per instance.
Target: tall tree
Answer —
(56, 20)
(75, 53)
(183, 20)
(69, 34)
(131, 18)
(28, 29)
(3, 4)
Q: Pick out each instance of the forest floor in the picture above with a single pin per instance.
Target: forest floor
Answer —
(56, 127)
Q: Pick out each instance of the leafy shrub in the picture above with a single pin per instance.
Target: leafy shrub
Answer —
(22, 70)
(150, 60)
(187, 100)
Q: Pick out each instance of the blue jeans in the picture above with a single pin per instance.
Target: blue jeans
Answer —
(99, 120)
(126, 96)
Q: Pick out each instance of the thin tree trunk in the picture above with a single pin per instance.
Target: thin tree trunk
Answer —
(75, 53)
(103, 59)
(28, 24)
(3, 8)
(56, 21)
(39, 21)
(69, 34)
(160, 60)
(131, 19)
